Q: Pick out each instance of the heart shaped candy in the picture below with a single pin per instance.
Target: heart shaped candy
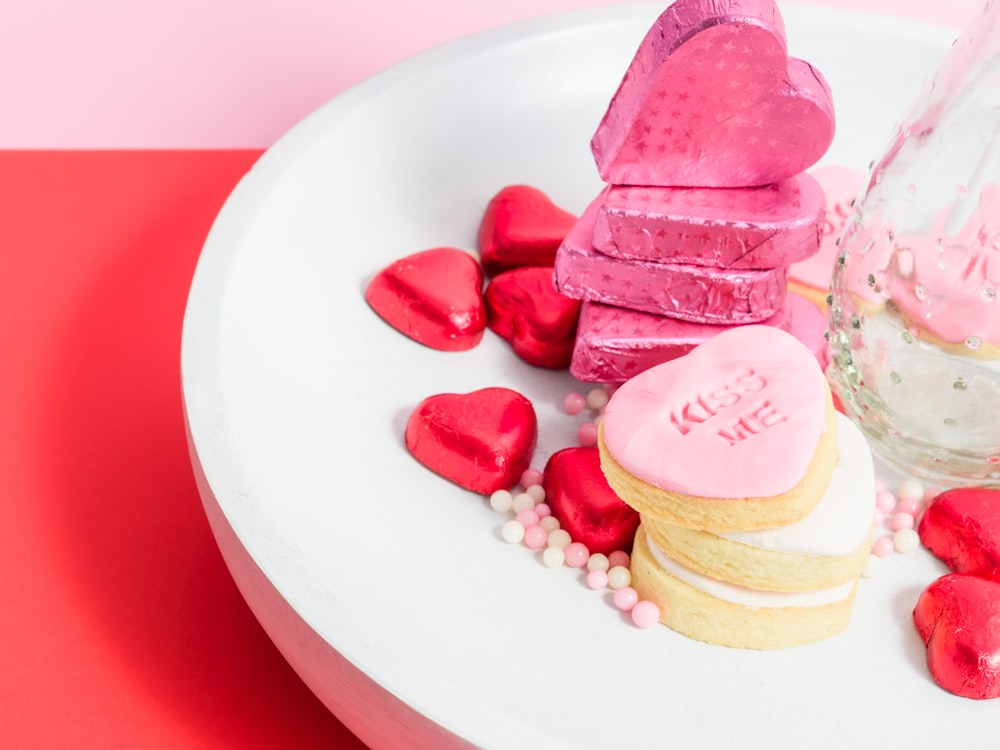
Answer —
(740, 416)
(434, 297)
(712, 99)
(524, 308)
(481, 440)
(521, 227)
(962, 527)
(958, 618)
(579, 495)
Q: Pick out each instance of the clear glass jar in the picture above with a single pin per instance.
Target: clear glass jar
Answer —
(914, 314)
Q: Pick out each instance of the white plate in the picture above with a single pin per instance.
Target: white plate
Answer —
(385, 586)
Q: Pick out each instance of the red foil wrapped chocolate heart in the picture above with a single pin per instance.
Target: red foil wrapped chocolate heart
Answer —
(521, 227)
(434, 297)
(482, 440)
(962, 527)
(523, 307)
(579, 495)
(958, 617)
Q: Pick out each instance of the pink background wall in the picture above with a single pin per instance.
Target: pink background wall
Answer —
(238, 73)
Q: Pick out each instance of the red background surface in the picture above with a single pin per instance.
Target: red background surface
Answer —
(121, 626)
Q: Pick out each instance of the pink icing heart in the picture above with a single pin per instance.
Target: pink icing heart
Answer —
(712, 99)
(740, 416)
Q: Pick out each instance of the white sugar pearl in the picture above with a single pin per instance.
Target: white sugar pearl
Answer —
(537, 492)
(512, 532)
(598, 561)
(559, 538)
(597, 398)
(549, 523)
(910, 489)
(619, 577)
(872, 565)
(906, 540)
(553, 557)
(501, 501)
(522, 501)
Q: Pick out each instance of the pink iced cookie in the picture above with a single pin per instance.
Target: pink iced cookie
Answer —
(949, 283)
(696, 293)
(712, 99)
(740, 416)
(841, 186)
(756, 227)
(614, 344)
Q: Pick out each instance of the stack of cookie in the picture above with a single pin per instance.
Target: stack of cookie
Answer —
(755, 497)
(703, 150)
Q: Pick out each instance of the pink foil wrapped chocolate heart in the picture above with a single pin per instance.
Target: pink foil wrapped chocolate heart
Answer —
(958, 618)
(584, 503)
(434, 297)
(521, 227)
(614, 344)
(962, 528)
(712, 99)
(524, 308)
(482, 440)
(758, 227)
(701, 294)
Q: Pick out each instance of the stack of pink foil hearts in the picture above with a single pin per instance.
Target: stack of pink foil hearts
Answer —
(704, 149)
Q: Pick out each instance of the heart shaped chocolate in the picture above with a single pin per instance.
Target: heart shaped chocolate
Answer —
(740, 416)
(521, 227)
(482, 440)
(712, 99)
(434, 297)
(958, 618)
(523, 307)
(962, 527)
(584, 503)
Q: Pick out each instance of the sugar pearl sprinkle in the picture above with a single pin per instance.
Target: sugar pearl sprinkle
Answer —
(531, 524)
(895, 519)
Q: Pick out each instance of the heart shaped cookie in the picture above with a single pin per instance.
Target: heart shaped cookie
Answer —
(741, 416)
(579, 495)
(958, 618)
(712, 99)
(434, 297)
(521, 227)
(962, 527)
(523, 307)
(841, 185)
(482, 440)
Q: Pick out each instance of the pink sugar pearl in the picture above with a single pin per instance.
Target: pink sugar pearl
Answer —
(883, 546)
(577, 555)
(909, 505)
(901, 521)
(531, 477)
(597, 579)
(625, 598)
(535, 537)
(645, 614)
(527, 517)
(574, 403)
(618, 558)
(586, 434)
(543, 510)
(878, 518)
(885, 501)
